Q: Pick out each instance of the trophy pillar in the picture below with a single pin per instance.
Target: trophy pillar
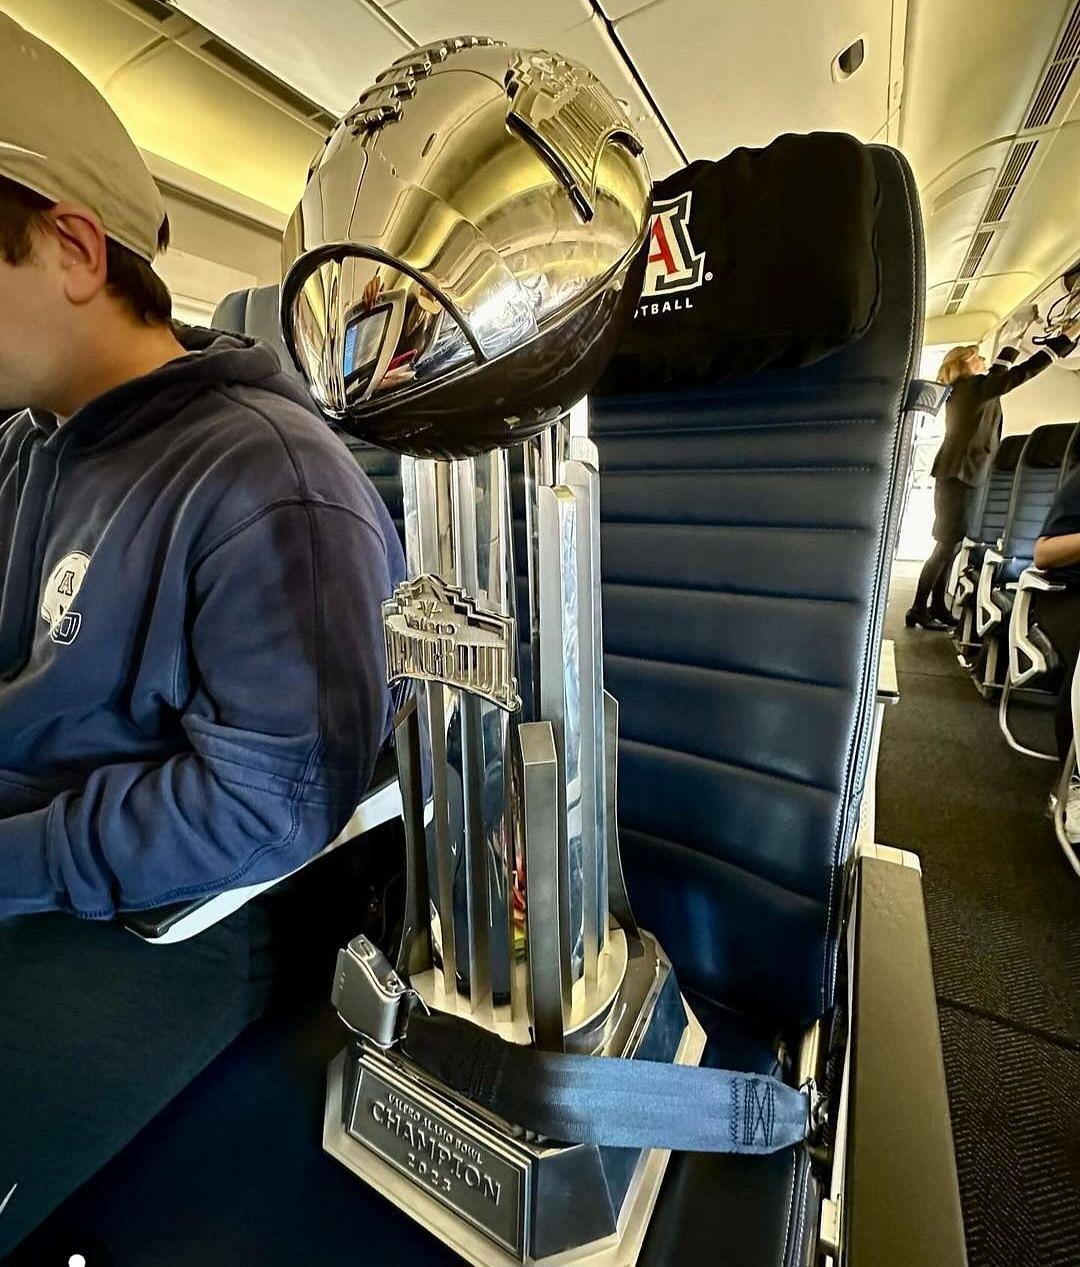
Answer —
(458, 532)
(516, 914)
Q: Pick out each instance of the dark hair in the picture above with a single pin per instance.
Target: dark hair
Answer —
(129, 277)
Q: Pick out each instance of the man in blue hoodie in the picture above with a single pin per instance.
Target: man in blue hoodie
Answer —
(192, 685)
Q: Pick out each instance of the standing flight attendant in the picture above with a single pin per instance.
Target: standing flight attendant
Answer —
(972, 432)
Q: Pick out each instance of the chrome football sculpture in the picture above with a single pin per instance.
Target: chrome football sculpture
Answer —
(467, 249)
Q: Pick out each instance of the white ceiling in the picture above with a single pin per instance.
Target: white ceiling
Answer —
(971, 72)
(683, 71)
(742, 72)
(948, 80)
(342, 46)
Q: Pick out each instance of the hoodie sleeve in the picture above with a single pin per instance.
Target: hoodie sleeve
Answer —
(288, 706)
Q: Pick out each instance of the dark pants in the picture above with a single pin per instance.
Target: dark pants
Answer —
(99, 1030)
(952, 499)
(1058, 616)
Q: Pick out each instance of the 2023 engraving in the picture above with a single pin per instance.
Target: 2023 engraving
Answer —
(437, 1155)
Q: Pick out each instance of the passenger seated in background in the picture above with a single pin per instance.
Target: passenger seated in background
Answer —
(1057, 551)
(192, 685)
(972, 432)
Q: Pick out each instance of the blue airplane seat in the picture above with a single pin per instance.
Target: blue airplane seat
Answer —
(747, 532)
(1042, 467)
(994, 506)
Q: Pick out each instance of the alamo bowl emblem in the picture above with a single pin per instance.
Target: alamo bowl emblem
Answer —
(437, 633)
(59, 596)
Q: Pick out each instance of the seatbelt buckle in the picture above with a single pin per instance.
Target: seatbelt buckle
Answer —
(369, 995)
(817, 1111)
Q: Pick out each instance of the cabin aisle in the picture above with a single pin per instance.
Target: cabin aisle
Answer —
(1003, 909)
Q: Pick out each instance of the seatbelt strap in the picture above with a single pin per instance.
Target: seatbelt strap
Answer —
(568, 1097)
(601, 1100)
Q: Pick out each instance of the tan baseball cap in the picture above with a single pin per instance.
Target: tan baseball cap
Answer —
(60, 138)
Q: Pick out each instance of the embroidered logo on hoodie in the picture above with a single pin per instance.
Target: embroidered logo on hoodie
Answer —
(59, 596)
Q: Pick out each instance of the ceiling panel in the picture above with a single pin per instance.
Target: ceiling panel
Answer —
(428, 20)
(336, 53)
(744, 73)
(174, 104)
(1042, 233)
(177, 105)
(969, 76)
(564, 26)
(959, 142)
(97, 39)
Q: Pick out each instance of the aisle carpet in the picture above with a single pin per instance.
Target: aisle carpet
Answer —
(1003, 908)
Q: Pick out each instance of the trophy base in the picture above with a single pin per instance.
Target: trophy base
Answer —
(495, 1198)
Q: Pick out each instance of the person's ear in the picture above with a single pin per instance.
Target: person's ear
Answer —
(82, 251)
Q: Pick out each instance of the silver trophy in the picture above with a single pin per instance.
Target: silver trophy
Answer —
(465, 254)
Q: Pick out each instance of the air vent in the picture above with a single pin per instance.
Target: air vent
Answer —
(976, 251)
(960, 290)
(270, 84)
(952, 306)
(1011, 175)
(1056, 79)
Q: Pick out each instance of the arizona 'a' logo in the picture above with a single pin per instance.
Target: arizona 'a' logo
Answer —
(61, 588)
(674, 265)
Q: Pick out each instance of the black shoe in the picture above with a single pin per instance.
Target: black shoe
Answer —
(945, 618)
(924, 620)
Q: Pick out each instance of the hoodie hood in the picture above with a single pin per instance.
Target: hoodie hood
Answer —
(212, 359)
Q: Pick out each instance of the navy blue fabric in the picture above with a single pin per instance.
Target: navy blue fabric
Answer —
(1038, 477)
(169, 725)
(1062, 519)
(998, 491)
(745, 537)
(255, 313)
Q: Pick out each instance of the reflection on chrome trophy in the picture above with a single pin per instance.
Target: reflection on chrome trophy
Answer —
(468, 247)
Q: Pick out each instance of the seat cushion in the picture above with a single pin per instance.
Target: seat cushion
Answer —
(233, 1172)
(1002, 600)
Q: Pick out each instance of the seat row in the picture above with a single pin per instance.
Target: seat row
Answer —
(1002, 600)
(1010, 511)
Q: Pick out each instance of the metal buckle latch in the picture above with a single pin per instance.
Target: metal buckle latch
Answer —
(369, 995)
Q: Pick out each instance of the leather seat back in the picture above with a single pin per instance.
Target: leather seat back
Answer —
(1038, 476)
(997, 494)
(1072, 454)
(255, 313)
(747, 532)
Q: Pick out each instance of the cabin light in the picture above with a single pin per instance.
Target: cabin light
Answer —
(848, 60)
(77, 1260)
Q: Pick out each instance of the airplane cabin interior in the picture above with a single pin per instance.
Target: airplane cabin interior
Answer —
(576, 756)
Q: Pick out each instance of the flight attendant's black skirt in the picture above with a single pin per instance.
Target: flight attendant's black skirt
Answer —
(952, 502)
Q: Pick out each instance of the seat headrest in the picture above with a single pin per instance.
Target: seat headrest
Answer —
(1047, 444)
(763, 259)
(254, 313)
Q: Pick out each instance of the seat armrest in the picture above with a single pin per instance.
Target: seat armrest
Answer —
(888, 686)
(986, 613)
(901, 1200)
(958, 585)
(178, 921)
(1033, 578)
(1027, 658)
